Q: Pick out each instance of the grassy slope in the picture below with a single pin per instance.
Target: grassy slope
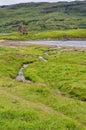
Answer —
(43, 16)
(38, 106)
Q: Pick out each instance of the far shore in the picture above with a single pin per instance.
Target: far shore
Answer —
(45, 39)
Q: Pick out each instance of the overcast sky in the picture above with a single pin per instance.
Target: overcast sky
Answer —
(8, 2)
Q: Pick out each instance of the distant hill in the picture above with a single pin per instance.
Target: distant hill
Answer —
(43, 16)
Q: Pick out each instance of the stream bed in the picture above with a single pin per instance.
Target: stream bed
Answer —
(20, 75)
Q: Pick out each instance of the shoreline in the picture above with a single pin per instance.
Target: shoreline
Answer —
(45, 39)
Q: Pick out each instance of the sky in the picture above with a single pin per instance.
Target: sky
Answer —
(8, 2)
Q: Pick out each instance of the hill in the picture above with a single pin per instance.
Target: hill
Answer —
(43, 16)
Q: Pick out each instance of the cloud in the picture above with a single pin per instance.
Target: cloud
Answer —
(8, 2)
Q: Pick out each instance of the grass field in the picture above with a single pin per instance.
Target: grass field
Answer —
(65, 34)
(55, 100)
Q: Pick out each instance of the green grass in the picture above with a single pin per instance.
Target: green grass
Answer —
(39, 105)
(65, 34)
(64, 70)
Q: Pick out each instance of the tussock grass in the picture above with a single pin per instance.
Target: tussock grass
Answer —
(64, 71)
(39, 105)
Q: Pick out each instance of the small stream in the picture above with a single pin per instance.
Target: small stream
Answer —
(46, 53)
(40, 57)
(20, 75)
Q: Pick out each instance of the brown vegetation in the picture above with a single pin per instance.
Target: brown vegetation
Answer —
(22, 30)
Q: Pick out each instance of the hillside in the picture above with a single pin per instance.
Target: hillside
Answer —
(43, 16)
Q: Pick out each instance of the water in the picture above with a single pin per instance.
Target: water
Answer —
(57, 43)
(20, 75)
(40, 57)
(46, 53)
(72, 43)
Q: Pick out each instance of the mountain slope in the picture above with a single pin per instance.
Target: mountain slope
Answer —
(43, 16)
